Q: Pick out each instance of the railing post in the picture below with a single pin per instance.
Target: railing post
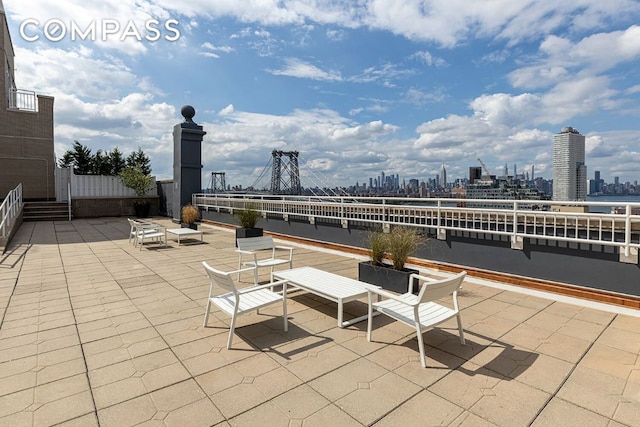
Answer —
(628, 254)
(441, 233)
(517, 241)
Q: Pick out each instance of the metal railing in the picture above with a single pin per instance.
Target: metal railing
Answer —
(24, 100)
(518, 219)
(69, 199)
(9, 210)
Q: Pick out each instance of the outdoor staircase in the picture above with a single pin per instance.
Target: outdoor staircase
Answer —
(45, 211)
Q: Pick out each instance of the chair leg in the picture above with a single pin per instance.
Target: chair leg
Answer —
(255, 276)
(284, 307)
(232, 329)
(239, 267)
(423, 359)
(370, 318)
(206, 314)
(460, 331)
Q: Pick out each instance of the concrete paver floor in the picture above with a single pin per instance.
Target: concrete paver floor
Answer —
(96, 332)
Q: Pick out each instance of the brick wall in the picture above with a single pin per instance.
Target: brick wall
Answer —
(26, 138)
(103, 207)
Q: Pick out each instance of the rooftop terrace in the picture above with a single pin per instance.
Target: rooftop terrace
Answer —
(97, 332)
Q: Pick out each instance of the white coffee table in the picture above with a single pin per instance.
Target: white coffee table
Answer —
(184, 233)
(327, 285)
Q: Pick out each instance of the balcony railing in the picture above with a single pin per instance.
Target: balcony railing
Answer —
(23, 100)
(518, 219)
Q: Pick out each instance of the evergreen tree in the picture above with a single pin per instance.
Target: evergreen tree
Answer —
(107, 163)
(139, 159)
(100, 164)
(80, 158)
(116, 162)
(67, 160)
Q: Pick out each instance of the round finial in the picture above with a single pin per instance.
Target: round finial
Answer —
(188, 112)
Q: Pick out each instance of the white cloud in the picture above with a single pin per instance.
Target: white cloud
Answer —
(295, 67)
(427, 58)
(226, 110)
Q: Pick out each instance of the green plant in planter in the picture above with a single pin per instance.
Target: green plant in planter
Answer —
(190, 214)
(399, 244)
(402, 242)
(134, 178)
(248, 218)
(377, 241)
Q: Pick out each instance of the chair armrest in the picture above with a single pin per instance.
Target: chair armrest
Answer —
(241, 251)
(265, 286)
(241, 270)
(394, 297)
(285, 248)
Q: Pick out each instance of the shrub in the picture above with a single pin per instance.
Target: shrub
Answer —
(377, 246)
(134, 178)
(402, 242)
(190, 214)
(248, 218)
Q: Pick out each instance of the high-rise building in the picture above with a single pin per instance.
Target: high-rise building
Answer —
(443, 177)
(569, 169)
(475, 173)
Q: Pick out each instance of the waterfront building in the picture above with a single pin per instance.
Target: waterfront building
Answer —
(502, 188)
(569, 169)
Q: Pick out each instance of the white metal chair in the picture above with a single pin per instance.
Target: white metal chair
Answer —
(133, 233)
(146, 231)
(239, 301)
(252, 246)
(420, 311)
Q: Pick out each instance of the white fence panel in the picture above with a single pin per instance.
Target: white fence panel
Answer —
(63, 178)
(93, 186)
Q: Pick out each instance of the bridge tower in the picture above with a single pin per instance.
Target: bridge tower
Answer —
(285, 175)
(218, 184)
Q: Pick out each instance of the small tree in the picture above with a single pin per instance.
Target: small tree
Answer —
(134, 178)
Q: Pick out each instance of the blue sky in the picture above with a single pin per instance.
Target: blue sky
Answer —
(360, 87)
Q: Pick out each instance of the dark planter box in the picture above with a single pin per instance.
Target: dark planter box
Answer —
(387, 277)
(193, 226)
(142, 209)
(242, 233)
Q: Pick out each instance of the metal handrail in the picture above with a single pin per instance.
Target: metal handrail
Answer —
(69, 199)
(10, 208)
(516, 219)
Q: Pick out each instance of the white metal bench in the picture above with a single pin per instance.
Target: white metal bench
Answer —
(252, 247)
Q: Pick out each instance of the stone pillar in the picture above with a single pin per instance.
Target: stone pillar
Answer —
(187, 160)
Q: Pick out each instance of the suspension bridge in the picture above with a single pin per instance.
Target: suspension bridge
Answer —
(282, 176)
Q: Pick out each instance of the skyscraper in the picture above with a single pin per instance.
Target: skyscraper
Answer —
(443, 177)
(569, 169)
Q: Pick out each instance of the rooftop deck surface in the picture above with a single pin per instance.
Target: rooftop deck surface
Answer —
(97, 332)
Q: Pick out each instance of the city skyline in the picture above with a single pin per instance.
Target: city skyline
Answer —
(355, 87)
